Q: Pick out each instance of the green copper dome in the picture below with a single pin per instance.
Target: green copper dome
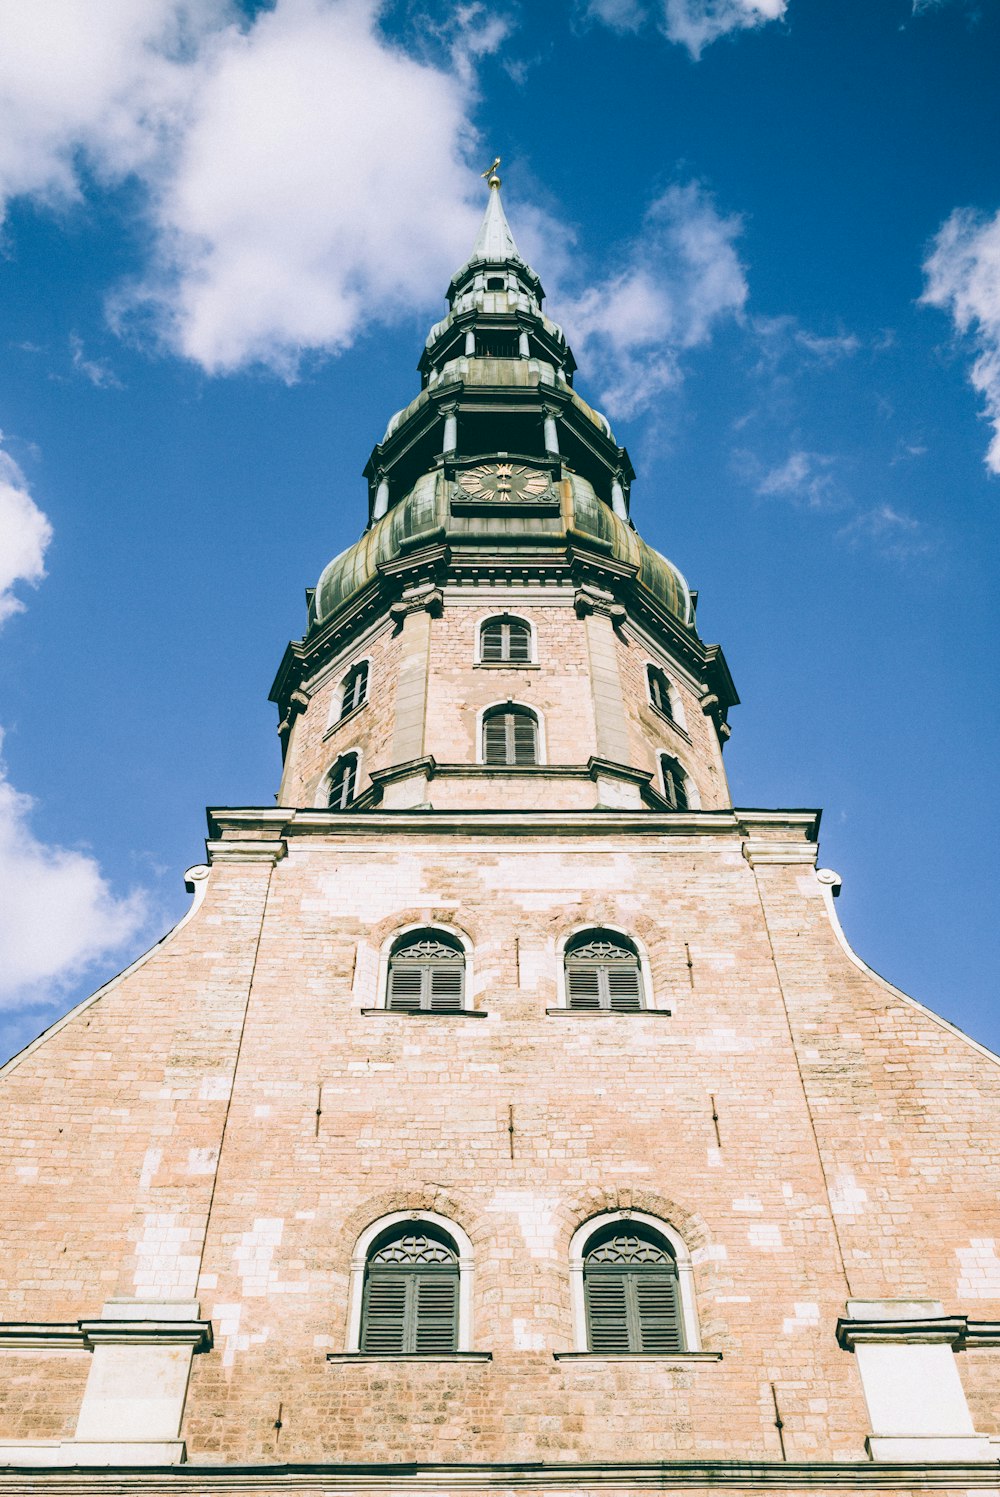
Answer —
(424, 515)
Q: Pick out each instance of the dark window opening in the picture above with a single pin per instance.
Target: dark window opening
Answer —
(427, 972)
(354, 688)
(602, 971)
(496, 283)
(631, 1293)
(343, 782)
(505, 640)
(410, 1300)
(659, 691)
(510, 736)
(675, 787)
(497, 345)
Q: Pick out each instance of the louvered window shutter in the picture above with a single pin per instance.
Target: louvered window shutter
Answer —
(518, 641)
(427, 974)
(435, 1319)
(659, 691)
(411, 1297)
(631, 1297)
(601, 973)
(510, 738)
(384, 1317)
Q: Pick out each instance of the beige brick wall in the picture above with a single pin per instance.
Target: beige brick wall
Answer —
(827, 1087)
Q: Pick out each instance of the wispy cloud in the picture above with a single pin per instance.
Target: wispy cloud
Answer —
(963, 278)
(781, 339)
(887, 531)
(97, 371)
(694, 24)
(803, 478)
(673, 286)
(25, 534)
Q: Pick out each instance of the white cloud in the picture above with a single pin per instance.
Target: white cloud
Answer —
(694, 24)
(24, 535)
(889, 531)
(697, 23)
(303, 175)
(804, 476)
(97, 371)
(57, 914)
(677, 282)
(963, 279)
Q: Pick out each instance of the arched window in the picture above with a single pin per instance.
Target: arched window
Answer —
(631, 1291)
(426, 971)
(675, 784)
(510, 736)
(343, 782)
(602, 971)
(659, 691)
(410, 1301)
(354, 689)
(505, 641)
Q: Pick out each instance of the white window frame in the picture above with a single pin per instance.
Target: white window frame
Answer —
(325, 782)
(685, 1274)
(509, 705)
(648, 993)
(690, 784)
(359, 1263)
(337, 698)
(507, 665)
(396, 938)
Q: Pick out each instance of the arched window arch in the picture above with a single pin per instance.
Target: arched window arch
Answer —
(353, 689)
(603, 972)
(510, 735)
(679, 790)
(633, 1287)
(343, 782)
(505, 640)
(426, 973)
(382, 1232)
(660, 691)
(411, 1292)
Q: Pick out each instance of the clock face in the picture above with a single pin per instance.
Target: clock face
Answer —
(500, 481)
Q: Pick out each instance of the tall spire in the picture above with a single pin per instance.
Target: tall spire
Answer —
(494, 240)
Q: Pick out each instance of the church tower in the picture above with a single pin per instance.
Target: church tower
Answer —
(509, 1111)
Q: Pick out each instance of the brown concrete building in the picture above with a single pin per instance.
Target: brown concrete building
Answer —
(509, 1111)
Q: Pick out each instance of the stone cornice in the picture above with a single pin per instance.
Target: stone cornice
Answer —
(252, 833)
(541, 1476)
(84, 1335)
(957, 1331)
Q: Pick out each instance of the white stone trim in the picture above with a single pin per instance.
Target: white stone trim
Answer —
(386, 949)
(830, 884)
(503, 704)
(359, 1261)
(685, 1273)
(337, 695)
(196, 882)
(646, 971)
(505, 613)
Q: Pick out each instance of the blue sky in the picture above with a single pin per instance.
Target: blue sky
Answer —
(771, 229)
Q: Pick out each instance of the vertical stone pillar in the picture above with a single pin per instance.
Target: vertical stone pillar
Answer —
(523, 347)
(414, 615)
(470, 344)
(450, 440)
(605, 679)
(381, 498)
(551, 433)
(618, 498)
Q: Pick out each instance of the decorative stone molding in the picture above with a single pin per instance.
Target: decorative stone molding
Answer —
(428, 599)
(593, 600)
(760, 852)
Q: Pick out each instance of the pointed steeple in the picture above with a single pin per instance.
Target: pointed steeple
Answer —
(494, 240)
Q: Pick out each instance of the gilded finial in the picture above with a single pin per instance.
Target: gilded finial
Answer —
(492, 180)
